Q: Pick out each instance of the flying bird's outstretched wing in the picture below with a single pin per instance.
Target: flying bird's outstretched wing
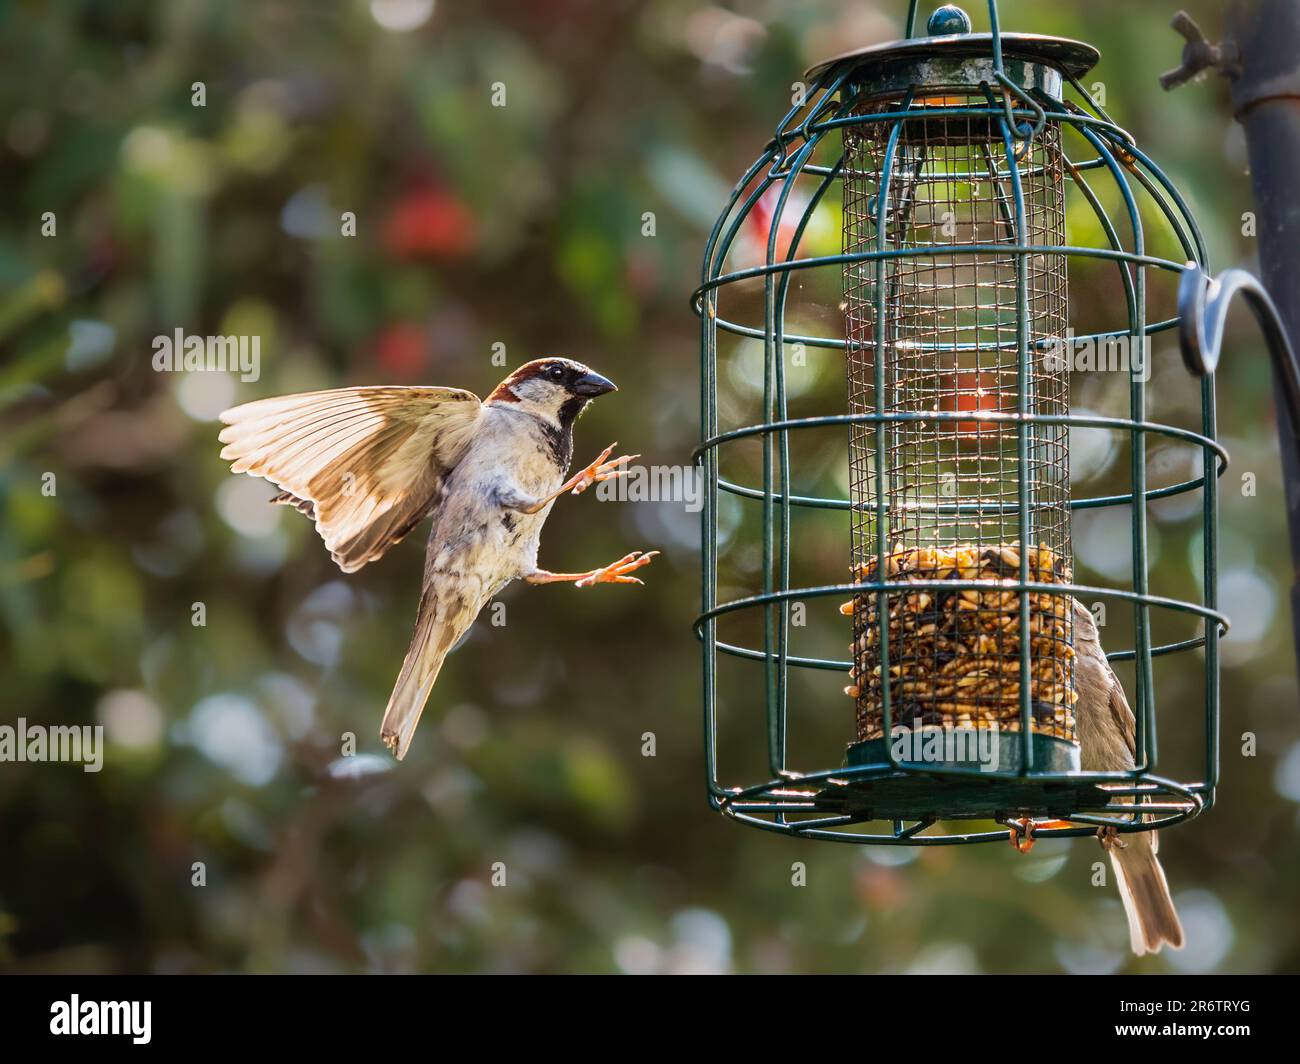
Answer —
(366, 464)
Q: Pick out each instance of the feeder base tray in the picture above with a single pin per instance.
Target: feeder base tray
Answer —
(916, 795)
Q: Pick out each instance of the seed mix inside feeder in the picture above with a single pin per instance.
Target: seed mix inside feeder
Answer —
(955, 654)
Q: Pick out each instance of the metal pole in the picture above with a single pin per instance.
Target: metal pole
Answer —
(1265, 80)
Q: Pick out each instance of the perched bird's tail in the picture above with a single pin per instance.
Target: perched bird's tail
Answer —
(1152, 920)
(435, 635)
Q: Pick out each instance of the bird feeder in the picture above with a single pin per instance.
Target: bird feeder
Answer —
(949, 159)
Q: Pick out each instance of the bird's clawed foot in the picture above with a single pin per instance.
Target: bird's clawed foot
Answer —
(1109, 837)
(617, 572)
(603, 468)
(1022, 831)
(1022, 835)
(614, 573)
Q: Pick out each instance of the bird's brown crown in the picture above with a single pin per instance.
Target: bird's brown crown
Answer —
(555, 370)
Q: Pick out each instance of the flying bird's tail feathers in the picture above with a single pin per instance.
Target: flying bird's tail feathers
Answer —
(1152, 919)
(437, 630)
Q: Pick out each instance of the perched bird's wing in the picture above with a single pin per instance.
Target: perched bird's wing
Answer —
(366, 464)
(1125, 725)
(1108, 741)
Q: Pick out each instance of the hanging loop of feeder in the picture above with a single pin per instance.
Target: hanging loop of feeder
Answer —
(950, 20)
(1024, 133)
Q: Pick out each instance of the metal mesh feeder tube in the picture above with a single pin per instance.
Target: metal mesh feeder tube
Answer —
(951, 318)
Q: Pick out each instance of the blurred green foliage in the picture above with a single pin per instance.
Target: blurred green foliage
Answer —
(479, 225)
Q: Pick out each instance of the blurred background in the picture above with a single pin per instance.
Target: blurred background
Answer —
(523, 225)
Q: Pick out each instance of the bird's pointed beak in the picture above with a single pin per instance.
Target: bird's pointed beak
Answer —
(590, 385)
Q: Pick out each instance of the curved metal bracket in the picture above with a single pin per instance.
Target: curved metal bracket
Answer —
(1203, 309)
(1203, 303)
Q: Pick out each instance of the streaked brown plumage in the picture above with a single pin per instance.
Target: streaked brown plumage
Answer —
(1107, 738)
(368, 464)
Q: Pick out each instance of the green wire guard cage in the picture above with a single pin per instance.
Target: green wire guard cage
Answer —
(950, 160)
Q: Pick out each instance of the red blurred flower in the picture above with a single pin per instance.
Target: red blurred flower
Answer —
(428, 220)
(761, 215)
(979, 391)
(402, 349)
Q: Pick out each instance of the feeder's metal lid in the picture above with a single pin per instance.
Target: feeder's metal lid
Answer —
(1073, 57)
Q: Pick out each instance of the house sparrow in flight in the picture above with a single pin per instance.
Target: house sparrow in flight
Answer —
(1107, 739)
(368, 464)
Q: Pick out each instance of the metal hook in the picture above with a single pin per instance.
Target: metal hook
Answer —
(1203, 303)
(1203, 310)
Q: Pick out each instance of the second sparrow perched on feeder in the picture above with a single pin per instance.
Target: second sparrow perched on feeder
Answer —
(1107, 737)
(368, 464)
(1107, 743)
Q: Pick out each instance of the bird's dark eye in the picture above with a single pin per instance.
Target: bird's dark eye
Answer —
(555, 373)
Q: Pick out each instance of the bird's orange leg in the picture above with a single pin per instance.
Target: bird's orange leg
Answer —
(614, 573)
(601, 469)
(1022, 831)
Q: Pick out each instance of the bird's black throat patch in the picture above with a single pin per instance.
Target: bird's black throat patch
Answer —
(560, 438)
(571, 409)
